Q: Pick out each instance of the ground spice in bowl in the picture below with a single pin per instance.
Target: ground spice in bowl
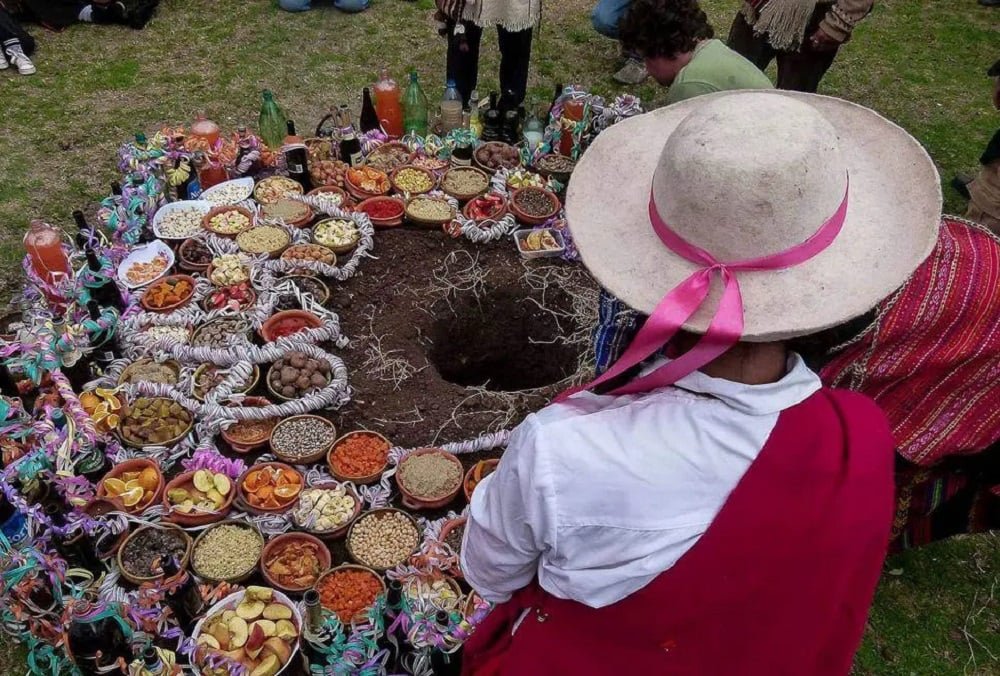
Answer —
(383, 539)
(359, 456)
(228, 551)
(429, 476)
(349, 591)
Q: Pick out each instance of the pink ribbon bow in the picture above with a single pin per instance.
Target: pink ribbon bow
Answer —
(683, 301)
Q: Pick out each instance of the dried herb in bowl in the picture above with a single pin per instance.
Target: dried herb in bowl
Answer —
(430, 476)
(227, 551)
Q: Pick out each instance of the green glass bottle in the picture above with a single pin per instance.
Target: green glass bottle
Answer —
(415, 108)
(272, 122)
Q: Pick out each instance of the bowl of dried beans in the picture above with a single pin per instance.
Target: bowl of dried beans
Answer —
(244, 436)
(293, 562)
(429, 478)
(269, 488)
(359, 456)
(349, 591)
(168, 294)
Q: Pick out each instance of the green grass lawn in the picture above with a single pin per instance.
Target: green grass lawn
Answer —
(920, 62)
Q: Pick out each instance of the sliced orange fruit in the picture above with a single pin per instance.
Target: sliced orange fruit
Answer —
(264, 492)
(132, 496)
(253, 481)
(147, 496)
(286, 477)
(286, 491)
(129, 476)
(114, 486)
(149, 479)
(272, 502)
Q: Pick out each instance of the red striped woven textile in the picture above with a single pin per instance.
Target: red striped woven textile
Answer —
(932, 359)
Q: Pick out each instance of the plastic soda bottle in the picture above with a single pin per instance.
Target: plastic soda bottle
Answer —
(387, 104)
(272, 121)
(415, 108)
(451, 107)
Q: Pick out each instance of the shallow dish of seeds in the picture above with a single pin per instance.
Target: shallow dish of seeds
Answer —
(429, 478)
(383, 538)
(302, 439)
(228, 551)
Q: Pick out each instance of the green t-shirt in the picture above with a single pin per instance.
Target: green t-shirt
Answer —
(715, 68)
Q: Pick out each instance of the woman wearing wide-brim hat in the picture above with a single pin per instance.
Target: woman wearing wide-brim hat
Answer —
(714, 510)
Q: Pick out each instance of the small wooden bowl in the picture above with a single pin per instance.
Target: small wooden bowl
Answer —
(184, 263)
(275, 545)
(256, 442)
(326, 289)
(465, 197)
(170, 307)
(240, 576)
(350, 566)
(426, 172)
(245, 503)
(534, 220)
(194, 518)
(172, 364)
(337, 533)
(359, 193)
(308, 459)
(412, 501)
(286, 254)
(383, 222)
(206, 221)
(370, 514)
(182, 564)
(491, 170)
(254, 379)
(486, 464)
(360, 480)
(245, 305)
(430, 223)
(309, 321)
(446, 529)
(466, 212)
(134, 465)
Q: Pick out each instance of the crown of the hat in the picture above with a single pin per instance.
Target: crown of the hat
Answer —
(750, 175)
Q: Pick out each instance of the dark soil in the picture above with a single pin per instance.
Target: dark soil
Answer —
(497, 339)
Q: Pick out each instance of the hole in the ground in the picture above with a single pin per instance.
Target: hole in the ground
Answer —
(504, 341)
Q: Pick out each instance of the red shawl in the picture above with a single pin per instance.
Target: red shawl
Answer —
(932, 358)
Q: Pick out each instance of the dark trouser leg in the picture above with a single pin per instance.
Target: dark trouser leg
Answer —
(754, 48)
(463, 58)
(515, 56)
(802, 71)
(10, 29)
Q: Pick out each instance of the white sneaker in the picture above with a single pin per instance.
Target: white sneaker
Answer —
(3, 62)
(19, 59)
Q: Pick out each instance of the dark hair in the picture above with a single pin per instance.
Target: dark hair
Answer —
(654, 28)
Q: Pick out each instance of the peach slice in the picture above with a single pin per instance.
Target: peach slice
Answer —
(277, 611)
(279, 648)
(238, 631)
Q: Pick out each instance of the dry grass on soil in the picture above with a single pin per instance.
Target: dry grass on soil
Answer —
(920, 62)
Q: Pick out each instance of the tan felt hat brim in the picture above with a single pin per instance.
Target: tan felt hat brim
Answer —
(891, 226)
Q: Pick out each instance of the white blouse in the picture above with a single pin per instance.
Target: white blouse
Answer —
(599, 495)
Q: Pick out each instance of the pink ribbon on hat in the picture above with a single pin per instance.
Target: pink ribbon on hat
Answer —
(680, 304)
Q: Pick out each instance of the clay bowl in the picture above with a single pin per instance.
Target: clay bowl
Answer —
(325, 296)
(360, 480)
(467, 480)
(338, 249)
(561, 176)
(427, 222)
(239, 389)
(278, 395)
(447, 528)
(184, 262)
(173, 364)
(274, 547)
(361, 616)
(134, 465)
(328, 189)
(447, 579)
(245, 305)
(307, 459)
(412, 501)
(305, 216)
(465, 197)
(466, 212)
(182, 564)
(311, 250)
(377, 154)
(383, 222)
(135, 443)
(359, 193)
(528, 219)
(307, 319)
(206, 221)
(369, 514)
(211, 269)
(245, 503)
(247, 445)
(426, 172)
(170, 307)
(276, 251)
(239, 577)
(476, 157)
(338, 533)
(185, 480)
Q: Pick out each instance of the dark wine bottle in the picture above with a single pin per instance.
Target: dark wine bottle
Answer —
(84, 233)
(107, 294)
(96, 645)
(184, 600)
(116, 188)
(350, 146)
(369, 117)
(492, 120)
(102, 348)
(296, 157)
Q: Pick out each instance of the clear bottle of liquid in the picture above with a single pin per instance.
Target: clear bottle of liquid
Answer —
(475, 121)
(415, 108)
(272, 121)
(43, 244)
(451, 107)
(204, 128)
(534, 130)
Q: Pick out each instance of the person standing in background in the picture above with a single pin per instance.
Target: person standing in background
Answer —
(347, 6)
(16, 45)
(606, 17)
(802, 35)
(983, 192)
(462, 23)
(58, 14)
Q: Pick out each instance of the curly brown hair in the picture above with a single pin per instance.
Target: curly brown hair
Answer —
(663, 28)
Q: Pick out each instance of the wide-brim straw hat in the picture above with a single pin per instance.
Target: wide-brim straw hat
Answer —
(751, 173)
